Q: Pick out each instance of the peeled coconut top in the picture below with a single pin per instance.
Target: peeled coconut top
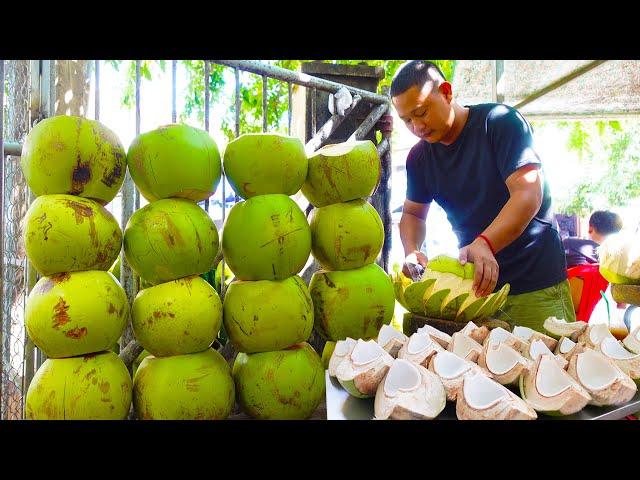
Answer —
(566, 345)
(612, 348)
(501, 358)
(464, 345)
(403, 376)
(366, 352)
(481, 392)
(343, 347)
(449, 365)
(551, 380)
(388, 333)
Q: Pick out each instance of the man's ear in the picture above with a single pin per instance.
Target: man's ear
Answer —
(446, 90)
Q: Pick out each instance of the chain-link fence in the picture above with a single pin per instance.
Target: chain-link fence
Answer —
(14, 205)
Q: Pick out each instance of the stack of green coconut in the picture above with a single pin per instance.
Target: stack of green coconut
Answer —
(268, 312)
(169, 243)
(352, 296)
(77, 311)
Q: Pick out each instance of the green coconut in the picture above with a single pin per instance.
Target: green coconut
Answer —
(136, 363)
(346, 235)
(75, 156)
(266, 238)
(76, 313)
(267, 315)
(89, 387)
(196, 386)
(327, 352)
(342, 172)
(352, 303)
(175, 161)
(282, 385)
(169, 239)
(63, 233)
(178, 317)
(261, 163)
(228, 275)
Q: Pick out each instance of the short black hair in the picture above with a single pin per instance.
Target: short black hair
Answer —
(414, 73)
(605, 222)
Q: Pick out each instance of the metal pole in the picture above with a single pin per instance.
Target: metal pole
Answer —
(290, 107)
(174, 68)
(2, 233)
(97, 99)
(369, 122)
(206, 111)
(136, 194)
(265, 120)
(313, 112)
(300, 78)
(328, 128)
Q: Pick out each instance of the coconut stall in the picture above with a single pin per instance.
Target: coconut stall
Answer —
(166, 276)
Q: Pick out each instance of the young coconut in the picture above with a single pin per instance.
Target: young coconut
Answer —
(484, 399)
(475, 332)
(632, 341)
(442, 338)
(604, 380)
(549, 389)
(419, 349)
(594, 334)
(363, 369)
(627, 361)
(391, 340)
(342, 349)
(503, 362)
(529, 335)
(452, 369)
(557, 328)
(500, 335)
(567, 348)
(409, 392)
(465, 347)
(538, 348)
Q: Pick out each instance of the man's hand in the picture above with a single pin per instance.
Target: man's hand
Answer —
(415, 257)
(485, 264)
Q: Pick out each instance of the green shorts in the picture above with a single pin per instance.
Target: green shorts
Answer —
(531, 309)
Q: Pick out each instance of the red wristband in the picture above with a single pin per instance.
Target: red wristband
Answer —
(488, 243)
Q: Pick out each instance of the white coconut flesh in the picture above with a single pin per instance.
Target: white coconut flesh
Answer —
(338, 149)
(442, 338)
(500, 335)
(594, 372)
(403, 376)
(342, 349)
(419, 343)
(538, 347)
(501, 358)
(366, 353)
(599, 332)
(566, 345)
(524, 333)
(612, 349)
(481, 392)
(475, 332)
(632, 341)
(449, 365)
(388, 334)
(560, 327)
(465, 347)
(551, 380)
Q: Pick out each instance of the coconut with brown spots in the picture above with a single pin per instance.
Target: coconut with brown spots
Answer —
(346, 235)
(170, 239)
(64, 233)
(177, 317)
(342, 172)
(90, 387)
(195, 386)
(74, 156)
(266, 238)
(351, 303)
(175, 161)
(282, 385)
(268, 315)
(263, 163)
(76, 313)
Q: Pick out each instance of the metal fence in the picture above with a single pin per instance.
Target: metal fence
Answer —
(30, 97)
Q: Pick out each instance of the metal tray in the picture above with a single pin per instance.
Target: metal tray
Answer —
(342, 406)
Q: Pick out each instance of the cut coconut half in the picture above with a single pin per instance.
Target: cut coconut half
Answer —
(567, 348)
(594, 334)
(557, 328)
(627, 361)
(419, 349)
(529, 335)
(465, 347)
(503, 362)
(632, 341)
(451, 369)
(538, 347)
(475, 332)
(409, 392)
(363, 369)
(549, 389)
(484, 399)
(342, 349)
(391, 339)
(442, 338)
(500, 335)
(602, 378)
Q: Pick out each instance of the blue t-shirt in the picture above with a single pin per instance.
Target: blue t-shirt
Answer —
(467, 179)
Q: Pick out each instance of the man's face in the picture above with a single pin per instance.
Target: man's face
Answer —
(426, 112)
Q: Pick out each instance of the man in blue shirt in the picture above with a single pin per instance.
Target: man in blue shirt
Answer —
(479, 164)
